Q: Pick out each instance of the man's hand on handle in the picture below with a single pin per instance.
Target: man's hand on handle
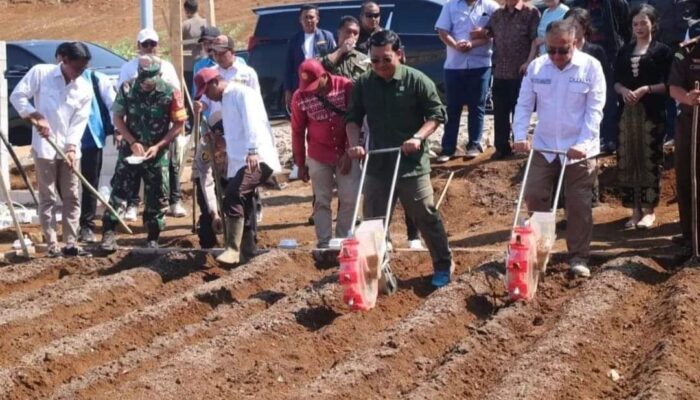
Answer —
(356, 152)
(521, 146)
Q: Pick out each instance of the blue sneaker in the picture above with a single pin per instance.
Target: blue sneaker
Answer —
(442, 277)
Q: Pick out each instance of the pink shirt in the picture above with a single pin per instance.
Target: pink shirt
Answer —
(322, 128)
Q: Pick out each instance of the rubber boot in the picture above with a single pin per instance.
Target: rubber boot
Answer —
(248, 246)
(232, 254)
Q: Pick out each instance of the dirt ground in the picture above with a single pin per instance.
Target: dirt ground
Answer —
(177, 325)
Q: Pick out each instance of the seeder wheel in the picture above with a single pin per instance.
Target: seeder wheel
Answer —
(387, 282)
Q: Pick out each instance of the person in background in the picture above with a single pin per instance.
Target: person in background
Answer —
(310, 42)
(582, 22)
(192, 28)
(57, 100)
(205, 57)
(568, 88)
(251, 152)
(610, 28)
(147, 44)
(467, 70)
(641, 71)
(346, 60)
(149, 113)
(675, 18)
(403, 108)
(554, 12)
(513, 29)
(685, 71)
(370, 23)
(318, 124)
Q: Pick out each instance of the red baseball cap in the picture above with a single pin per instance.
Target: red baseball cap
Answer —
(310, 71)
(204, 76)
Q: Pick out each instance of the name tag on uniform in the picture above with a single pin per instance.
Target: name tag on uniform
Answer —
(542, 81)
(579, 79)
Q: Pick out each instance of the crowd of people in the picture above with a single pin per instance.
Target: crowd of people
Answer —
(601, 78)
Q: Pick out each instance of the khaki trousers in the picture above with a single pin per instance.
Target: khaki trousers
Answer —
(49, 174)
(325, 177)
(578, 183)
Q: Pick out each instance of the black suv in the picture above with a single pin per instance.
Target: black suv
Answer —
(22, 55)
(413, 20)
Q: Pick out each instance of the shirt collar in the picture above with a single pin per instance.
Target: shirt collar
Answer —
(518, 7)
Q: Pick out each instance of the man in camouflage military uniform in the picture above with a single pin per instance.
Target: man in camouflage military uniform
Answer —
(685, 72)
(149, 113)
(345, 60)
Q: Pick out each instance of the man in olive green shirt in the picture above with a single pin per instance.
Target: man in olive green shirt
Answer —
(403, 108)
(346, 60)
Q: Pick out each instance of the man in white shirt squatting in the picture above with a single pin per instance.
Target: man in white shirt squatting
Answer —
(250, 148)
(568, 87)
(62, 100)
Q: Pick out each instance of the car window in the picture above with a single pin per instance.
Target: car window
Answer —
(283, 23)
(415, 17)
(101, 58)
(17, 56)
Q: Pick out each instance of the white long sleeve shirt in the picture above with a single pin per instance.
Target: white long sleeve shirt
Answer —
(130, 70)
(66, 107)
(569, 105)
(246, 127)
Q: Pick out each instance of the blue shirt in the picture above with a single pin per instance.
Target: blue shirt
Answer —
(94, 135)
(548, 17)
(460, 19)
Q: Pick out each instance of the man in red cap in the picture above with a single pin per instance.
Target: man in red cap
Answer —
(250, 149)
(318, 112)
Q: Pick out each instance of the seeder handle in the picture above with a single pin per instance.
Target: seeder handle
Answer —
(521, 195)
(358, 198)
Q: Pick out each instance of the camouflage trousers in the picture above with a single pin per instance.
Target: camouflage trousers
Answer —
(156, 190)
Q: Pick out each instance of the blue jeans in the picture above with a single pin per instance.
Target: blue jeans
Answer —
(465, 86)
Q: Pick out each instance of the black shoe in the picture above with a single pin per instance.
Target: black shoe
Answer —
(152, 244)
(498, 155)
(109, 241)
(75, 251)
(681, 240)
(87, 235)
(311, 220)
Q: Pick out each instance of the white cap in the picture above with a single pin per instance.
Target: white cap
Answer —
(147, 34)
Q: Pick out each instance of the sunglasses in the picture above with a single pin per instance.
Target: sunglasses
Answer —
(149, 43)
(558, 50)
(372, 15)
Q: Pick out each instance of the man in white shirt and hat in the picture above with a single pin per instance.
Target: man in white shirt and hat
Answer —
(250, 148)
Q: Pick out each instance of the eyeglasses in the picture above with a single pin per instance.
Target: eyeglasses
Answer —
(372, 15)
(149, 43)
(558, 50)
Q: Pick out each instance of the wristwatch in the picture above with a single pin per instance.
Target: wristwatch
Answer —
(417, 136)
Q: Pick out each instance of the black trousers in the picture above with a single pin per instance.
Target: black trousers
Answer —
(505, 95)
(239, 200)
(90, 167)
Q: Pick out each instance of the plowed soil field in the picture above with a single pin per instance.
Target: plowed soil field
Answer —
(178, 326)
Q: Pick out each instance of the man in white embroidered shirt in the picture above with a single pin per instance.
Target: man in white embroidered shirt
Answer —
(62, 100)
(250, 148)
(568, 87)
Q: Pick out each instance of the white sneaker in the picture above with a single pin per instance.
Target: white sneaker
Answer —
(579, 268)
(294, 175)
(647, 221)
(415, 244)
(132, 212)
(177, 210)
